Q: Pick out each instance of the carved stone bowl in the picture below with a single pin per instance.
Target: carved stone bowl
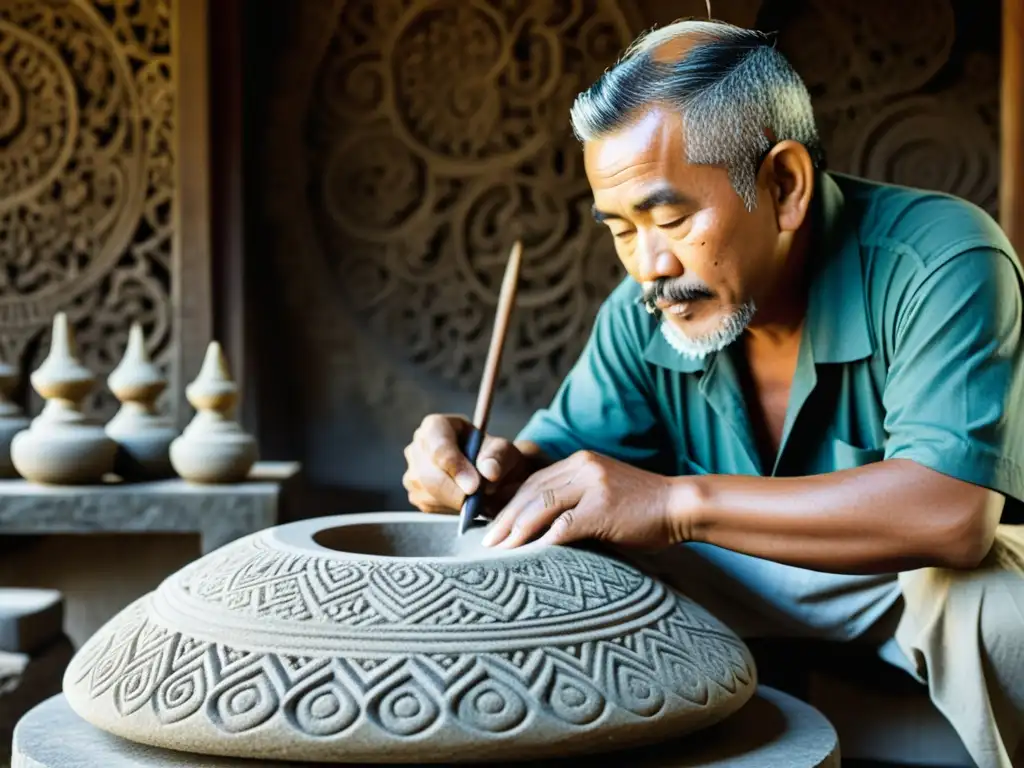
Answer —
(386, 638)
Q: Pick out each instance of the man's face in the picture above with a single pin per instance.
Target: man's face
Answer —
(683, 232)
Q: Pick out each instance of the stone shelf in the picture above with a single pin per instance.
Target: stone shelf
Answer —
(218, 513)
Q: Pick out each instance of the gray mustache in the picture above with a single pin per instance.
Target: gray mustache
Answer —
(666, 289)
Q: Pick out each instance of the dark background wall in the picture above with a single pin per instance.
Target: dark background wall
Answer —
(395, 148)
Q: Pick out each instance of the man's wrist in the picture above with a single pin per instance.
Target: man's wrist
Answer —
(689, 502)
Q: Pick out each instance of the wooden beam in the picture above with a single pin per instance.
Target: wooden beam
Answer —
(230, 247)
(1011, 175)
(192, 290)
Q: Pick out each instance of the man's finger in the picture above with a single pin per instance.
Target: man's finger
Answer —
(497, 456)
(571, 525)
(436, 482)
(439, 442)
(534, 507)
(506, 517)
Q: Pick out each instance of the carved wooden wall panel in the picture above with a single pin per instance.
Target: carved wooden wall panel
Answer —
(409, 141)
(88, 179)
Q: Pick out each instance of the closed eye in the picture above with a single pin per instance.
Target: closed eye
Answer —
(674, 223)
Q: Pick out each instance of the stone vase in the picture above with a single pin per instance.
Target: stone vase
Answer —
(62, 445)
(387, 638)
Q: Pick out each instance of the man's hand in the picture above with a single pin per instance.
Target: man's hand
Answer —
(589, 496)
(439, 476)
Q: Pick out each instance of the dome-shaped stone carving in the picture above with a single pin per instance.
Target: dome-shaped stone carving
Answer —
(386, 638)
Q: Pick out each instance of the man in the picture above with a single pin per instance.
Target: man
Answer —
(802, 405)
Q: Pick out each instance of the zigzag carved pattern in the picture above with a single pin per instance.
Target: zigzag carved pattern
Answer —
(259, 582)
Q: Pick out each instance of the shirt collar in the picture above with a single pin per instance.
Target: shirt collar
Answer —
(837, 319)
(837, 312)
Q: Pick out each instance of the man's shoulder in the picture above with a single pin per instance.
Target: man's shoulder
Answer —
(922, 229)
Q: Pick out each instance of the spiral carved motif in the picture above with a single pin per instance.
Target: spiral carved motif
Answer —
(86, 176)
(439, 134)
(925, 142)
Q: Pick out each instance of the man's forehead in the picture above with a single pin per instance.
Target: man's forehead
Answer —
(651, 141)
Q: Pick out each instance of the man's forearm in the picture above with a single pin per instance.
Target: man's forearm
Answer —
(890, 516)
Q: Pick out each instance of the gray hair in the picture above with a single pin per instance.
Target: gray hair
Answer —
(733, 88)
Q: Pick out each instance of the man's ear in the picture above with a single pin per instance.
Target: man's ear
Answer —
(789, 175)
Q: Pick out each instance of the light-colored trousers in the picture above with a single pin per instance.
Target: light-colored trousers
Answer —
(961, 633)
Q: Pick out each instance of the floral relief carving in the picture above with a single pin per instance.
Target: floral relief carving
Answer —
(438, 134)
(86, 177)
(872, 69)
(436, 131)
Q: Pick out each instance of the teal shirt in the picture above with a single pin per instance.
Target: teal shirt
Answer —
(911, 349)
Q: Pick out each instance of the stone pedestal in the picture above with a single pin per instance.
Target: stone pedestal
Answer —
(219, 514)
(773, 730)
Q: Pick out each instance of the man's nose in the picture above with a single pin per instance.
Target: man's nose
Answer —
(655, 259)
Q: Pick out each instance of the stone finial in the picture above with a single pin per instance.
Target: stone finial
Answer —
(136, 379)
(213, 448)
(142, 435)
(62, 446)
(61, 376)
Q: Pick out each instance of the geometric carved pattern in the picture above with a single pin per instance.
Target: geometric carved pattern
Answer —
(672, 661)
(87, 130)
(341, 656)
(263, 583)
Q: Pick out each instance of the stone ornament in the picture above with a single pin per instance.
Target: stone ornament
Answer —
(213, 448)
(62, 446)
(142, 435)
(385, 638)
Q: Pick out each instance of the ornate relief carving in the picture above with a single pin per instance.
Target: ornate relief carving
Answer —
(391, 237)
(86, 176)
(871, 66)
(181, 679)
(345, 655)
(439, 131)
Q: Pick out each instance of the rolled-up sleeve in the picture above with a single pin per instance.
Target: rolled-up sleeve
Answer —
(953, 395)
(605, 403)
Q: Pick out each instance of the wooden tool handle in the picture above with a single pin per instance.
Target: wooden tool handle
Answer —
(506, 301)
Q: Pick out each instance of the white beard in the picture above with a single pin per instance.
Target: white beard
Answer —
(730, 329)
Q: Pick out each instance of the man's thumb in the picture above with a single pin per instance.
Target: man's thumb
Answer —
(495, 458)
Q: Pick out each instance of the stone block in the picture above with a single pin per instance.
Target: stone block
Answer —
(29, 618)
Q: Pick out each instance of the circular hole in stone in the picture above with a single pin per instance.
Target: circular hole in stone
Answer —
(399, 539)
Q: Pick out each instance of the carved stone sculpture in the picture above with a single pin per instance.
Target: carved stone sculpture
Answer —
(142, 435)
(62, 445)
(386, 638)
(213, 448)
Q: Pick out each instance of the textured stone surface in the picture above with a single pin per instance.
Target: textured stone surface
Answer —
(772, 731)
(387, 638)
(219, 513)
